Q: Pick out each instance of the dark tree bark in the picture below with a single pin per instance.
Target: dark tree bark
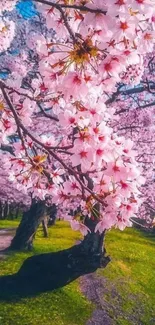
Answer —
(17, 212)
(27, 228)
(1, 211)
(44, 226)
(50, 271)
(6, 210)
(11, 213)
(52, 210)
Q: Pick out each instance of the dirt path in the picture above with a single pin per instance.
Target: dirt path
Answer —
(110, 311)
(6, 236)
(94, 288)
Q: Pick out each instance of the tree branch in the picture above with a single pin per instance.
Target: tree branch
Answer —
(53, 154)
(65, 6)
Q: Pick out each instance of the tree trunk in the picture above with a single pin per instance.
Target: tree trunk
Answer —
(52, 210)
(46, 272)
(6, 210)
(27, 228)
(1, 211)
(17, 212)
(44, 226)
(11, 214)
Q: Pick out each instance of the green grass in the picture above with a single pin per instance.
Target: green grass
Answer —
(8, 223)
(130, 277)
(129, 282)
(66, 306)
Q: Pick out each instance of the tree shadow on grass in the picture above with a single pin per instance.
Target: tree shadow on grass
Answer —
(150, 235)
(15, 287)
(40, 273)
(50, 271)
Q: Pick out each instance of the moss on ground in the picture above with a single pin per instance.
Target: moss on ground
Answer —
(66, 306)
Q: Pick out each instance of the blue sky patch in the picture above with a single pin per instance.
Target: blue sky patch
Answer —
(26, 9)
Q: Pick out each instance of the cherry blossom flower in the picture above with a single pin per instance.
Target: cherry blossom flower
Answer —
(7, 33)
(7, 5)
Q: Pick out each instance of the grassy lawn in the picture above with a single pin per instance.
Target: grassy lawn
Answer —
(130, 277)
(66, 306)
(8, 224)
(129, 282)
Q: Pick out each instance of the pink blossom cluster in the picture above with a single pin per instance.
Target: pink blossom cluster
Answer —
(105, 44)
(107, 160)
(134, 118)
(66, 149)
(7, 33)
(18, 66)
(133, 74)
(7, 5)
(8, 190)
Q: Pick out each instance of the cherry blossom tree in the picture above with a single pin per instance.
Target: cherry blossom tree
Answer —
(134, 119)
(10, 197)
(54, 102)
(33, 211)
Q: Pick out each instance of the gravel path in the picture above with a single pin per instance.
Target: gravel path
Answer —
(6, 236)
(94, 288)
